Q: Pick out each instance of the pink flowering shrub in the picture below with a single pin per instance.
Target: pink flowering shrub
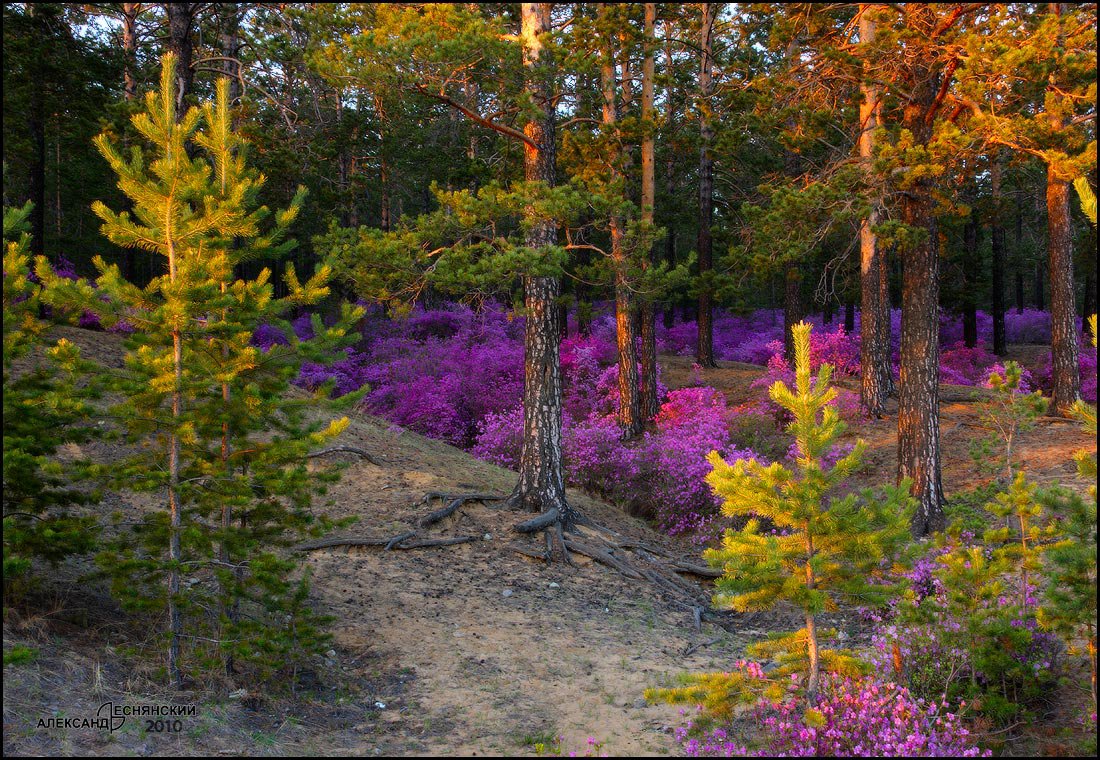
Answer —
(860, 717)
(960, 365)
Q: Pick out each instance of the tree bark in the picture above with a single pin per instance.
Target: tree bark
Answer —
(792, 308)
(971, 262)
(181, 17)
(630, 414)
(997, 242)
(1065, 370)
(704, 351)
(541, 486)
(876, 381)
(918, 387)
(648, 389)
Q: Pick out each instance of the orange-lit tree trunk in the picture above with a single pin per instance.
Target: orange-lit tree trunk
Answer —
(918, 386)
(649, 333)
(541, 486)
(876, 382)
(1065, 371)
(997, 241)
(630, 415)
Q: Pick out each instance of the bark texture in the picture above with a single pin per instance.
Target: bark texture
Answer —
(541, 486)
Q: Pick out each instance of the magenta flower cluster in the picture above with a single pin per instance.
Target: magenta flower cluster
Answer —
(861, 717)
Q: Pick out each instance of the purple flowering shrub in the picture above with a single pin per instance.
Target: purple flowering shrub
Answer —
(960, 365)
(852, 717)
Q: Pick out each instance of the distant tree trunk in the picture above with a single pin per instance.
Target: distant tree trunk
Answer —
(36, 123)
(875, 380)
(648, 389)
(1065, 371)
(918, 388)
(670, 259)
(1019, 219)
(792, 308)
(180, 20)
(1039, 287)
(630, 413)
(541, 486)
(850, 317)
(1019, 289)
(997, 242)
(970, 264)
(704, 350)
(670, 177)
(827, 311)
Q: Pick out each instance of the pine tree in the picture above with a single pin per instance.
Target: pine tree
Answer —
(45, 406)
(826, 547)
(210, 410)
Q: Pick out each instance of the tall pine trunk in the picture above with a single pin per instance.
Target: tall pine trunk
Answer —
(180, 20)
(1065, 371)
(704, 349)
(971, 262)
(541, 486)
(648, 357)
(918, 386)
(997, 242)
(630, 415)
(874, 349)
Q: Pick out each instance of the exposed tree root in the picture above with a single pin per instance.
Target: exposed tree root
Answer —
(396, 542)
(344, 450)
(631, 558)
(696, 647)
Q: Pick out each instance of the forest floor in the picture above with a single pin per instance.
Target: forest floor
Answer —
(471, 649)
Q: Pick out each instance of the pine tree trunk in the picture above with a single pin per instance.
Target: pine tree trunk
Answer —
(129, 49)
(997, 242)
(792, 308)
(1038, 287)
(1065, 370)
(180, 19)
(918, 387)
(630, 414)
(970, 264)
(648, 355)
(669, 316)
(36, 123)
(541, 486)
(874, 348)
(704, 350)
